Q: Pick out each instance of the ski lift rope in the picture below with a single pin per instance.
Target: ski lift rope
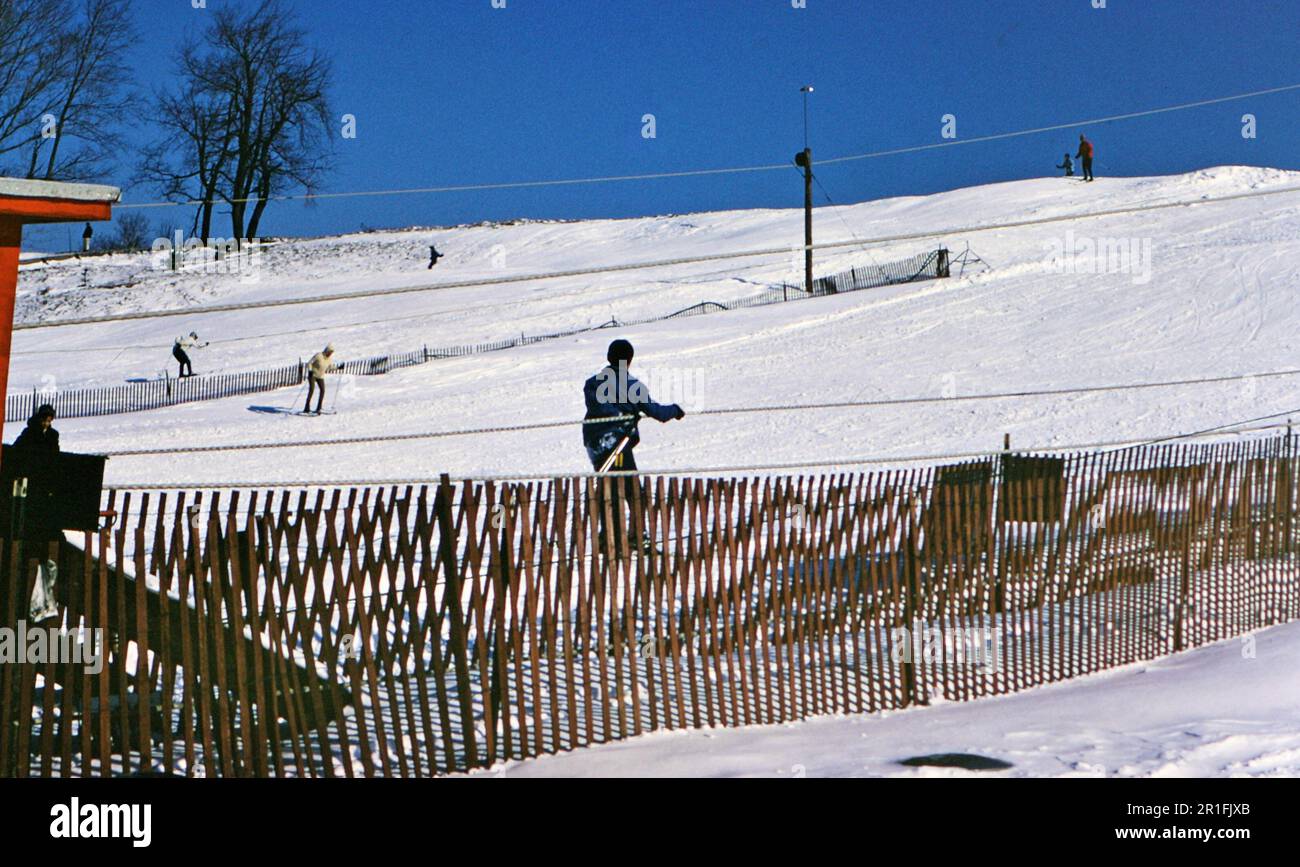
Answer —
(738, 468)
(852, 404)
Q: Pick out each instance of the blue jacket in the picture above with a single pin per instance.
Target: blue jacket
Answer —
(607, 396)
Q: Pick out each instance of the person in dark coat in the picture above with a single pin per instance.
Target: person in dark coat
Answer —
(1085, 154)
(615, 392)
(609, 394)
(40, 435)
(1068, 165)
(434, 256)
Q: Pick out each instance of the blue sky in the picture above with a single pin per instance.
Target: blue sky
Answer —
(456, 91)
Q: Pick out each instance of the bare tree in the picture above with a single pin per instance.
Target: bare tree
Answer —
(63, 86)
(280, 114)
(131, 234)
(249, 122)
(187, 162)
(29, 68)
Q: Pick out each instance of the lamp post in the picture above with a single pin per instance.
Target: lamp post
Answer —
(805, 90)
(803, 159)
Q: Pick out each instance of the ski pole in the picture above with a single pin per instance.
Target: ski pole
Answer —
(613, 456)
(297, 394)
(334, 405)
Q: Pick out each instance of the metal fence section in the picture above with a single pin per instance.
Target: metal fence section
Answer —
(133, 397)
(427, 629)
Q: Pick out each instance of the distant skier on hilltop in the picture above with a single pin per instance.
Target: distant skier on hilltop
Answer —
(1085, 154)
(1068, 165)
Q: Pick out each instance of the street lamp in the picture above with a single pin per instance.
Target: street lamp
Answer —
(805, 90)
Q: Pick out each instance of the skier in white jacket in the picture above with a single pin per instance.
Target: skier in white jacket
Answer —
(319, 365)
(184, 342)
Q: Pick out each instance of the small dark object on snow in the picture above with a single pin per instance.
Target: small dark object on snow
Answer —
(967, 761)
(434, 256)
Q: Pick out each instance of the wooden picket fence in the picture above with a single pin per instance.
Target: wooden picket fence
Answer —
(423, 630)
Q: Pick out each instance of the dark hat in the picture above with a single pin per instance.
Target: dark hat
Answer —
(619, 350)
(46, 411)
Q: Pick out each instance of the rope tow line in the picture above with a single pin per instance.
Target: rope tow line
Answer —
(681, 471)
(711, 412)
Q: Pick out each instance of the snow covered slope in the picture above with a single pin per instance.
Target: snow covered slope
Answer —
(1227, 709)
(1209, 293)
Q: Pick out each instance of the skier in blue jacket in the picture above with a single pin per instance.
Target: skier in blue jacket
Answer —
(611, 393)
(615, 392)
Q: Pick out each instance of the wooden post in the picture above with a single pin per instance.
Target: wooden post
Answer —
(452, 584)
(1287, 486)
(804, 160)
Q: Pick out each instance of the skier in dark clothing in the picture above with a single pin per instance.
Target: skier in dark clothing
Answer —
(615, 392)
(611, 393)
(434, 256)
(40, 435)
(1085, 154)
(184, 342)
(1068, 165)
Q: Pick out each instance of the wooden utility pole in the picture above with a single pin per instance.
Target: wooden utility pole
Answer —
(804, 159)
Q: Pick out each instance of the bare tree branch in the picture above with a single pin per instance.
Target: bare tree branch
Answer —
(63, 85)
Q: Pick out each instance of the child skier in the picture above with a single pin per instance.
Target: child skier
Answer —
(1068, 165)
